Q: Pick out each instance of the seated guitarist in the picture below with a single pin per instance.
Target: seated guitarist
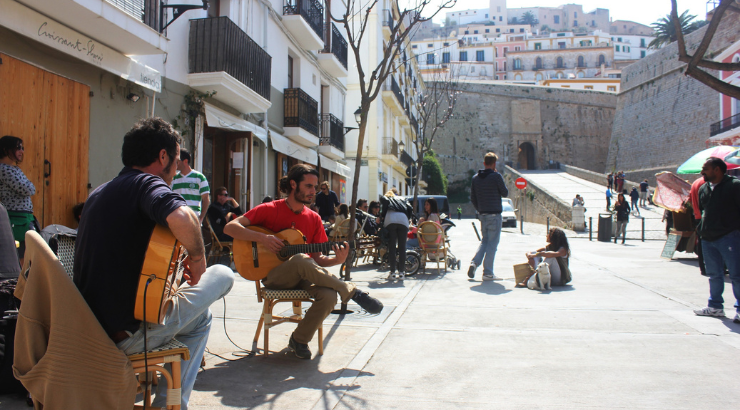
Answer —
(301, 271)
(112, 240)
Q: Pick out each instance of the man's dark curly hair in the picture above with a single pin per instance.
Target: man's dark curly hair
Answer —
(142, 144)
(296, 174)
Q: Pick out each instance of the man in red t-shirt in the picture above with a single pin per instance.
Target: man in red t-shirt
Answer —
(694, 197)
(301, 271)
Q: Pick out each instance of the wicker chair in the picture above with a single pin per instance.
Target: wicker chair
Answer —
(432, 243)
(219, 248)
(271, 297)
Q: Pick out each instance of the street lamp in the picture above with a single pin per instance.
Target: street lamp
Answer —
(358, 118)
(401, 145)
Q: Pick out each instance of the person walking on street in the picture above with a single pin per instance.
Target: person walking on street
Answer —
(608, 198)
(578, 201)
(192, 186)
(326, 201)
(635, 196)
(719, 230)
(623, 217)
(644, 193)
(396, 213)
(459, 212)
(610, 181)
(486, 191)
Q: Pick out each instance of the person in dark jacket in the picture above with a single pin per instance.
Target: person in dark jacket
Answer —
(326, 201)
(719, 230)
(622, 208)
(635, 196)
(395, 213)
(486, 191)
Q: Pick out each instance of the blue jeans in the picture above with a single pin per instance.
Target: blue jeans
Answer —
(491, 234)
(188, 320)
(719, 253)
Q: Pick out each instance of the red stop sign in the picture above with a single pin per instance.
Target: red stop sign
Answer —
(520, 183)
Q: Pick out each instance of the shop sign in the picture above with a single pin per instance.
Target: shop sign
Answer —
(60, 37)
(383, 177)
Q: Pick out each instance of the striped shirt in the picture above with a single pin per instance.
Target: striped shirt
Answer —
(191, 187)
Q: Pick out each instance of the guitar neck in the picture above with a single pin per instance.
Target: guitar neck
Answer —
(290, 250)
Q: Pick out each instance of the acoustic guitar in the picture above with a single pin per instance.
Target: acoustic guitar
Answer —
(163, 263)
(253, 261)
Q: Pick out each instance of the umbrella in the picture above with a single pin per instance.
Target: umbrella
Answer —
(694, 164)
(733, 159)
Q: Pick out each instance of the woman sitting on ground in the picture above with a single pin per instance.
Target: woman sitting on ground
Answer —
(430, 211)
(557, 247)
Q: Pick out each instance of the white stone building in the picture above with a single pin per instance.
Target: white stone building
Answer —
(392, 119)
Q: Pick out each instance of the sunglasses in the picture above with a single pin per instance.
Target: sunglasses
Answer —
(19, 148)
(224, 194)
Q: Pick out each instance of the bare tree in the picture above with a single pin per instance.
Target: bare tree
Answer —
(436, 106)
(697, 60)
(401, 23)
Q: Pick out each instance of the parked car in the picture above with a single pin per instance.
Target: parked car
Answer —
(508, 213)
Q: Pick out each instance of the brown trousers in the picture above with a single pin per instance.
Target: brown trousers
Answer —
(302, 272)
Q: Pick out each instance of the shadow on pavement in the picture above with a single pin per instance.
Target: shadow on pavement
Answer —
(489, 287)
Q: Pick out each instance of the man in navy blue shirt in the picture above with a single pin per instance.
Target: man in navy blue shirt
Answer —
(644, 193)
(113, 238)
(326, 201)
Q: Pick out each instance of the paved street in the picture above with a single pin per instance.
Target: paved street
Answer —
(621, 336)
(566, 186)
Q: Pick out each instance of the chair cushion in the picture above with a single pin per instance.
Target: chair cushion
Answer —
(285, 294)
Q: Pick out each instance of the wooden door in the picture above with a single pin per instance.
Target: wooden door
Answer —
(52, 116)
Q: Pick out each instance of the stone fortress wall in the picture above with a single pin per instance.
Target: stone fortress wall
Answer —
(558, 125)
(663, 116)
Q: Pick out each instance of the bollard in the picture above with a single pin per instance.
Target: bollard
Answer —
(643, 229)
(521, 224)
(548, 224)
(591, 227)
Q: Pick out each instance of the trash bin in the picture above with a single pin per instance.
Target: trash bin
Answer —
(605, 227)
(579, 218)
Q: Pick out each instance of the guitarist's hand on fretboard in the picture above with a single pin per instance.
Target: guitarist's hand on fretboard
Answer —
(341, 251)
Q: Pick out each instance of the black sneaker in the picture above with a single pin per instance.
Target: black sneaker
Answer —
(471, 270)
(367, 302)
(301, 350)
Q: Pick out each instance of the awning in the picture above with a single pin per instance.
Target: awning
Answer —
(60, 37)
(218, 118)
(335, 167)
(291, 149)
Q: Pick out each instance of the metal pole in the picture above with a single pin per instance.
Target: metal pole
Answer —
(476, 231)
(548, 224)
(521, 223)
(591, 227)
(643, 229)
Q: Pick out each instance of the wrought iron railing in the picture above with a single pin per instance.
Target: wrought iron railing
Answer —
(146, 11)
(332, 132)
(387, 18)
(724, 125)
(414, 124)
(301, 111)
(311, 10)
(218, 44)
(338, 45)
(406, 158)
(397, 91)
(390, 146)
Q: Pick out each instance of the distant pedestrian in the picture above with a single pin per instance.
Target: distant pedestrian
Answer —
(668, 219)
(578, 200)
(608, 199)
(192, 186)
(16, 190)
(644, 193)
(619, 181)
(326, 201)
(459, 213)
(610, 181)
(623, 217)
(486, 191)
(719, 201)
(635, 196)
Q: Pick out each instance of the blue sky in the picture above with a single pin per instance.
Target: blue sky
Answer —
(641, 11)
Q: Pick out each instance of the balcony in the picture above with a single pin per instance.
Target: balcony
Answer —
(333, 58)
(406, 158)
(393, 97)
(390, 150)
(725, 125)
(305, 20)
(387, 22)
(414, 124)
(301, 117)
(223, 58)
(332, 137)
(128, 26)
